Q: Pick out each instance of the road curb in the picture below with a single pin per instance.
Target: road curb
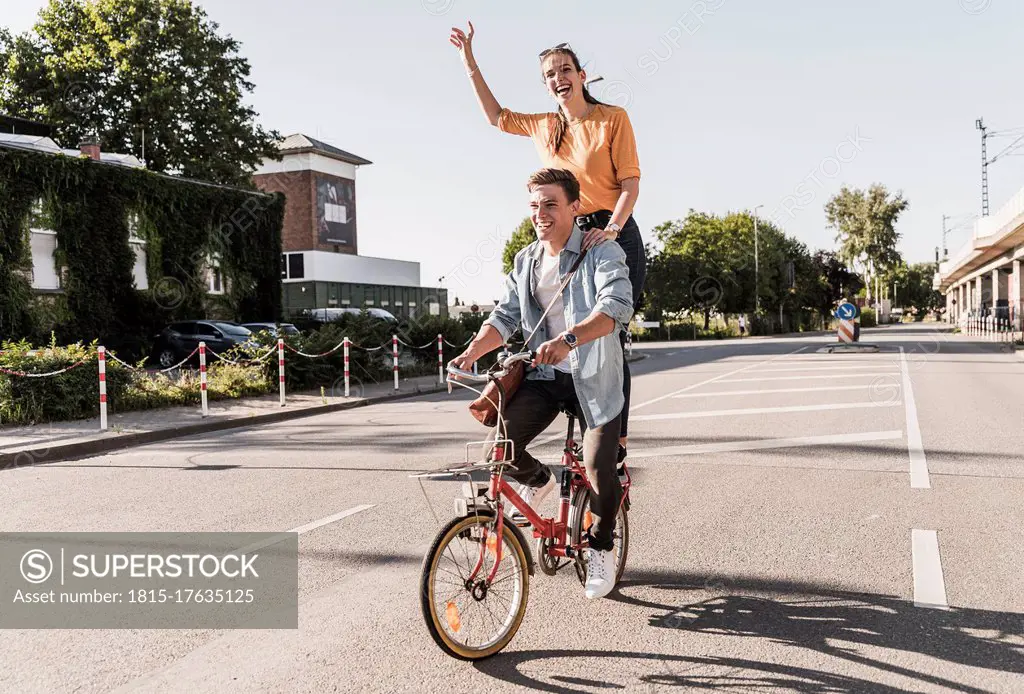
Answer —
(82, 449)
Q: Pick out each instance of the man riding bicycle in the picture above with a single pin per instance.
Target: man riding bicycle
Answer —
(578, 362)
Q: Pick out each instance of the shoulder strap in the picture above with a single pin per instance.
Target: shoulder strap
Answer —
(565, 283)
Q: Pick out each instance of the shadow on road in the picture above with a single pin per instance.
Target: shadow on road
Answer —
(689, 673)
(845, 625)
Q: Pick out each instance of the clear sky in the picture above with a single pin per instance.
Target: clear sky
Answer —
(735, 103)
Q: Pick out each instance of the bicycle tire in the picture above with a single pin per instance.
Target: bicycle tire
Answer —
(577, 508)
(429, 569)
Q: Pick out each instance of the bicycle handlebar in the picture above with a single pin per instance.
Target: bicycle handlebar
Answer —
(504, 365)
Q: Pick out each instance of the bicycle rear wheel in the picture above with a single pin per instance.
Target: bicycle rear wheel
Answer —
(579, 515)
(466, 619)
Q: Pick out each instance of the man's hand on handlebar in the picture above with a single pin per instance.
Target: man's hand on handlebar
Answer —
(552, 352)
(464, 361)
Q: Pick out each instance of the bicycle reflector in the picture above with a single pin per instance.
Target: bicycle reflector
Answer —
(451, 614)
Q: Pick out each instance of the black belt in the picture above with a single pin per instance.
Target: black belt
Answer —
(594, 220)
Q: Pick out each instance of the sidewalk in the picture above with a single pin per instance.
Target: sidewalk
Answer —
(47, 443)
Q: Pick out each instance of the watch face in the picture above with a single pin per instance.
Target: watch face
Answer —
(570, 339)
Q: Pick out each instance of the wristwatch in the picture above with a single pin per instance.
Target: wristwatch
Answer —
(612, 226)
(569, 339)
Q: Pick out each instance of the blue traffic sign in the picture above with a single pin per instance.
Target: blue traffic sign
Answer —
(846, 311)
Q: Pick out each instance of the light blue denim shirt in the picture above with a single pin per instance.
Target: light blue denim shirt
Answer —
(601, 283)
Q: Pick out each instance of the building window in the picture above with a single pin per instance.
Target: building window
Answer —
(296, 266)
(139, 269)
(216, 281)
(214, 276)
(44, 269)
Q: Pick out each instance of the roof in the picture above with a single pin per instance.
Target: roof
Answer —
(24, 126)
(299, 144)
(46, 145)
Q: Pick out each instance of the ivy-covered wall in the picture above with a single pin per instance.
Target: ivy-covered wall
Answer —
(184, 223)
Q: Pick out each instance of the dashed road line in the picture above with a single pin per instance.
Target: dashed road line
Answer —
(808, 378)
(929, 585)
(814, 389)
(762, 410)
(305, 528)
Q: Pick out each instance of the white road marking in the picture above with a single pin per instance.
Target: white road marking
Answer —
(304, 528)
(634, 408)
(807, 378)
(918, 462)
(761, 410)
(851, 367)
(929, 586)
(719, 377)
(762, 444)
(720, 393)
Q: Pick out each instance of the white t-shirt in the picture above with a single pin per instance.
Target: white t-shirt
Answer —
(548, 284)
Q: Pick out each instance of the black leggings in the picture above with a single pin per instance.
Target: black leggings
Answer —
(636, 260)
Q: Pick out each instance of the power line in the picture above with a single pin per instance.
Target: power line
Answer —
(1013, 146)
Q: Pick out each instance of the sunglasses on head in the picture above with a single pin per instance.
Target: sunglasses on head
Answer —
(555, 48)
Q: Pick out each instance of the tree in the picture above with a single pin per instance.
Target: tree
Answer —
(911, 286)
(865, 225)
(522, 237)
(125, 70)
(705, 265)
(834, 283)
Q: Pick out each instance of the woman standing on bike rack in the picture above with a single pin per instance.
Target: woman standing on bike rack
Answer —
(592, 140)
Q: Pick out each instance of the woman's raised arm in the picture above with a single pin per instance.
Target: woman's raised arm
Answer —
(464, 42)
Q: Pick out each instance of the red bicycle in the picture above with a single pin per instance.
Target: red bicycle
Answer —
(475, 576)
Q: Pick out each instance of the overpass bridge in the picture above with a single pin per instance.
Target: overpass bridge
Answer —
(983, 282)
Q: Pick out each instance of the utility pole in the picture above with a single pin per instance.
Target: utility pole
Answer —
(945, 249)
(757, 268)
(980, 125)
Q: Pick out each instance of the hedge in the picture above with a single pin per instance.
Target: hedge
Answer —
(75, 393)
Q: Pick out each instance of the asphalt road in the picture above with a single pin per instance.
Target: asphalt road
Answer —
(801, 522)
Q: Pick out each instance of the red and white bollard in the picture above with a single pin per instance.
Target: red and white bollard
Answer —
(440, 359)
(394, 352)
(346, 366)
(280, 367)
(102, 357)
(202, 379)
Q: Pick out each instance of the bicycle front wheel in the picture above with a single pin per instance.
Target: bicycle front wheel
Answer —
(468, 619)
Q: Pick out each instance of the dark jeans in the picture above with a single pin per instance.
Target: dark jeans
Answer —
(530, 411)
(636, 260)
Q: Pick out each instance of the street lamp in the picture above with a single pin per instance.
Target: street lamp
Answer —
(757, 271)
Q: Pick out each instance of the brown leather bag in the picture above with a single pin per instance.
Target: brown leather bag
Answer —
(485, 407)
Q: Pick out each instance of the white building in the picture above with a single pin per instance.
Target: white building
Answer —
(321, 267)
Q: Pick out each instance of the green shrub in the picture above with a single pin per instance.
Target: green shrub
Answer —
(70, 395)
(867, 318)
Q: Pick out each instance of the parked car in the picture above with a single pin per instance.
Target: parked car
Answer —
(896, 315)
(178, 340)
(275, 329)
(326, 315)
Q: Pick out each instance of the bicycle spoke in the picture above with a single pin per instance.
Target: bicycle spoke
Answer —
(454, 561)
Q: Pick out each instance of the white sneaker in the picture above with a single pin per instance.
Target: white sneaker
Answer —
(600, 573)
(534, 496)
